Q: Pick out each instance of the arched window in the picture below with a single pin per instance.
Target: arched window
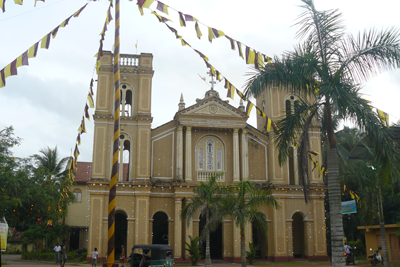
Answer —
(291, 105)
(124, 158)
(78, 195)
(126, 104)
(210, 155)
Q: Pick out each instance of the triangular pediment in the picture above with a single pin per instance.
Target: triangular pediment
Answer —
(213, 107)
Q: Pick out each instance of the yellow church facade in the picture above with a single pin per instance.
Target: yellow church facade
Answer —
(160, 167)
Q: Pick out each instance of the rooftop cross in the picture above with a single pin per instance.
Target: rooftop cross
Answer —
(212, 80)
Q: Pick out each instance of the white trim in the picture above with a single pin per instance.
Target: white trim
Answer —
(122, 123)
(172, 129)
(152, 153)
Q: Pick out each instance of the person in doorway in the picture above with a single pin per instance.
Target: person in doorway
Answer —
(63, 253)
(95, 254)
(57, 250)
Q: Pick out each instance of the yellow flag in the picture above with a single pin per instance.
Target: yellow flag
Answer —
(45, 41)
(7, 71)
(147, 3)
(33, 50)
(18, 2)
(198, 32)
(269, 123)
(141, 10)
(250, 56)
(210, 34)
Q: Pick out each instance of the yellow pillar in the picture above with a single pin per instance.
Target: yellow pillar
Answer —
(178, 229)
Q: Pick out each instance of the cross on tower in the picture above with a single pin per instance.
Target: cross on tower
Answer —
(212, 80)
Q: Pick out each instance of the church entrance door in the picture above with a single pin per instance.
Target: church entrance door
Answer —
(260, 242)
(298, 235)
(121, 233)
(160, 228)
(215, 240)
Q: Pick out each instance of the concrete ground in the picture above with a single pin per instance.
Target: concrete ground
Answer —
(15, 261)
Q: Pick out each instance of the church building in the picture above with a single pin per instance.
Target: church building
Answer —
(160, 168)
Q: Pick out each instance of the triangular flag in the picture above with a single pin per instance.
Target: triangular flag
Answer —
(250, 55)
(218, 33)
(182, 20)
(22, 60)
(210, 34)
(162, 7)
(78, 139)
(240, 49)
(232, 42)
(90, 98)
(87, 112)
(2, 79)
(45, 42)
(248, 108)
(198, 32)
(384, 117)
(190, 18)
(32, 52)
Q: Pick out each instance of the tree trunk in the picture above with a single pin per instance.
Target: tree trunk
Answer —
(335, 207)
(208, 256)
(385, 253)
(243, 245)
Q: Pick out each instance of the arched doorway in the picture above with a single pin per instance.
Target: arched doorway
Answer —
(260, 242)
(160, 228)
(215, 240)
(121, 230)
(298, 235)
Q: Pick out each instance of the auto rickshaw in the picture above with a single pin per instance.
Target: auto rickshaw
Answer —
(151, 256)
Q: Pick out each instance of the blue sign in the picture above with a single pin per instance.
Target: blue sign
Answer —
(349, 207)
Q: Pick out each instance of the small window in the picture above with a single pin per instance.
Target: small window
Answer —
(78, 195)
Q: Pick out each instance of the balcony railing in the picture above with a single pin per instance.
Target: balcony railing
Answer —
(129, 60)
(205, 175)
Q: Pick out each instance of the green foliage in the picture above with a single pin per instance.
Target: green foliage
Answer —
(252, 253)
(194, 249)
(12, 250)
(360, 248)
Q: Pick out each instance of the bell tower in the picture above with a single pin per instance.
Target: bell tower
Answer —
(135, 121)
(277, 102)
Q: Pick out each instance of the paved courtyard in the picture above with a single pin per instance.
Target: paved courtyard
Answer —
(15, 261)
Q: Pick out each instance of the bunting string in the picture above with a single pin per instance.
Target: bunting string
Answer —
(99, 53)
(228, 85)
(22, 60)
(251, 56)
(81, 130)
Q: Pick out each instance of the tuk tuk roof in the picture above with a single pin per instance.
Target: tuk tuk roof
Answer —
(153, 247)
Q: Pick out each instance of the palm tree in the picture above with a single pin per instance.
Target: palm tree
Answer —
(49, 161)
(243, 203)
(325, 71)
(208, 200)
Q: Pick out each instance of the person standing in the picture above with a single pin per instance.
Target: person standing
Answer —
(95, 254)
(63, 253)
(57, 250)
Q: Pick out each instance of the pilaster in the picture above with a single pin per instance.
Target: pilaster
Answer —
(178, 229)
(179, 154)
(188, 158)
(245, 156)
(236, 169)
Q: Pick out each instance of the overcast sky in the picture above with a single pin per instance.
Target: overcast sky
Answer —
(45, 101)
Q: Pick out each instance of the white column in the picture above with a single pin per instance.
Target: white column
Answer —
(245, 156)
(178, 229)
(188, 158)
(236, 169)
(179, 154)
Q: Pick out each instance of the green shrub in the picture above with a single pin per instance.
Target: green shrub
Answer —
(360, 248)
(193, 249)
(251, 255)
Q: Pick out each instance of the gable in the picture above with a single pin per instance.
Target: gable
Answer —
(214, 107)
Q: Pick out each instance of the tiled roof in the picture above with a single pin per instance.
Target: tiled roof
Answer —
(84, 172)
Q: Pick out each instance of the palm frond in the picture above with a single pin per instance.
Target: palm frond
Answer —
(369, 53)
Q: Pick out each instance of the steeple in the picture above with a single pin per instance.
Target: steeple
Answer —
(241, 107)
(181, 104)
